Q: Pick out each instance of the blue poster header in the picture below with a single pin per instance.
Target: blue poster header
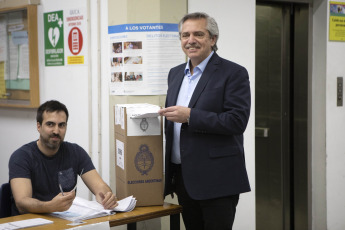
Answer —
(149, 27)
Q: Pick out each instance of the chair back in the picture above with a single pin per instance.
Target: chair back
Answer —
(5, 200)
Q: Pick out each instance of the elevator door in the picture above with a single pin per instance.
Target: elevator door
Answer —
(281, 78)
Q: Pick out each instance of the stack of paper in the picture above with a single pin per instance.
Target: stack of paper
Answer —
(25, 223)
(126, 205)
(83, 209)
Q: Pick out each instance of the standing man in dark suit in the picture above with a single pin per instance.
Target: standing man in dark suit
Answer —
(207, 111)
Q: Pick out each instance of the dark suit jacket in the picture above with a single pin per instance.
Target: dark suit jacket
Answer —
(212, 154)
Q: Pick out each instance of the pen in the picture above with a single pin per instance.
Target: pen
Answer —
(61, 189)
(77, 180)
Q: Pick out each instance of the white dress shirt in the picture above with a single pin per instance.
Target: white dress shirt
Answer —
(186, 91)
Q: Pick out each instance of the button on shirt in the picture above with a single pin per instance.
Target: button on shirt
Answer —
(186, 91)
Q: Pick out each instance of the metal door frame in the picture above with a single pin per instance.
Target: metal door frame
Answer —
(288, 124)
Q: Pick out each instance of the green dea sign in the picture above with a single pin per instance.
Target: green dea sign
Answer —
(54, 39)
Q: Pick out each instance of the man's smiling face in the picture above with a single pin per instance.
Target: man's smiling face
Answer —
(196, 41)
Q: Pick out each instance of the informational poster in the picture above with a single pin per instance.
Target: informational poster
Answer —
(2, 80)
(141, 56)
(337, 21)
(3, 39)
(76, 30)
(3, 56)
(14, 50)
(20, 42)
(54, 38)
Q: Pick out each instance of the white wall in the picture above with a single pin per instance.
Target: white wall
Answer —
(68, 84)
(236, 22)
(335, 129)
(17, 127)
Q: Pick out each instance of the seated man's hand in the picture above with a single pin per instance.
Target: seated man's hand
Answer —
(22, 193)
(63, 202)
(109, 200)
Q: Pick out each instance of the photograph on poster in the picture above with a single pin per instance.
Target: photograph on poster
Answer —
(117, 47)
(133, 45)
(116, 61)
(133, 76)
(337, 8)
(133, 60)
(116, 77)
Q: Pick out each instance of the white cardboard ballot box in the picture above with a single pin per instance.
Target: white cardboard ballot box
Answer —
(139, 153)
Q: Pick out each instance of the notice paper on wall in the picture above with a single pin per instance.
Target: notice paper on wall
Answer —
(141, 56)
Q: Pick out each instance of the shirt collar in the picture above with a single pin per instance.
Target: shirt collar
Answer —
(201, 66)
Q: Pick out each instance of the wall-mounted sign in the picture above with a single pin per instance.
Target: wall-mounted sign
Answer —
(141, 56)
(65, 27)
(337, 21)
(76, 30)
(54, 38)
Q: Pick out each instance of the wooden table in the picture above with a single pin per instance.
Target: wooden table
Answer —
(129, 218)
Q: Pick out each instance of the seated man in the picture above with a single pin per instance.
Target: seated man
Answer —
(43, 173)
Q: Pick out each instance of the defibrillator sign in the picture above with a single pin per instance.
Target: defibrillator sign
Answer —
(54, 38)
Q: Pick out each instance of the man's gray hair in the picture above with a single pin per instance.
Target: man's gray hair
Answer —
(211, 25)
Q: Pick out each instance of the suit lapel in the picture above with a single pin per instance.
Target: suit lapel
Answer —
(176, 84)
(210, 69)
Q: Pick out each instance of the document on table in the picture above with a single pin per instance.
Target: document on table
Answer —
(83, 209)
(98, 226)
(126, 205)
(25, 223)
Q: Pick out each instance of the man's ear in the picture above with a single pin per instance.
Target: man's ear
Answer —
(214, 39)
(38, 126)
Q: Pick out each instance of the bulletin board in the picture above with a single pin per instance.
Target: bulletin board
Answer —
(19, 73)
